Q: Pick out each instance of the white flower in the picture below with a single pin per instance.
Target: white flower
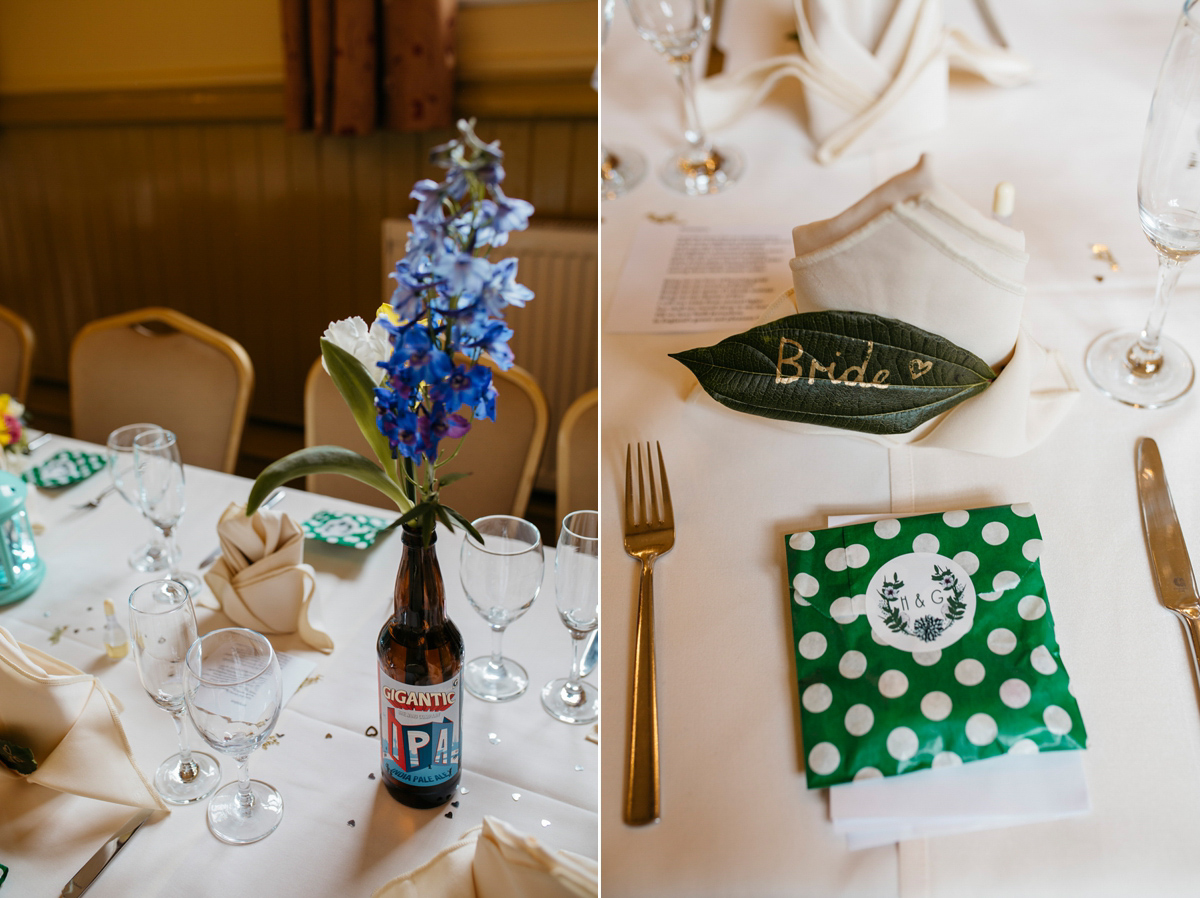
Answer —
(369, 346)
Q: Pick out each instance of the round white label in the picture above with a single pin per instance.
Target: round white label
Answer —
(921, 602)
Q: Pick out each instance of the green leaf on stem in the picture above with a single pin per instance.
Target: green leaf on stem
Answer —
(324, 460)
(358, 391)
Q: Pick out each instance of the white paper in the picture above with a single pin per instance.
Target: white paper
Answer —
(683, 279)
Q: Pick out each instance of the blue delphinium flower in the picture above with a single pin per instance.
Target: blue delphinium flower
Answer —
(450, 300)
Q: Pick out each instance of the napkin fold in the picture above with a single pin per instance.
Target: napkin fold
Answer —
(875, 73)
(496, 861)
(913, 250)
(71, 723)
(260, 581)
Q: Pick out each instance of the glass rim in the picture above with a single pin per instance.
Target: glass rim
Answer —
(483, 547)
(253, 634)
(166, 608)
(143, 427)
(570, 515)
(161, 439)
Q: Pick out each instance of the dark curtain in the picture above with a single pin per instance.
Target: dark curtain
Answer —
(352, 66)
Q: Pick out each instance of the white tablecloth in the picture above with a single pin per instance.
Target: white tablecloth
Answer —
(341, 834)
(737, 819)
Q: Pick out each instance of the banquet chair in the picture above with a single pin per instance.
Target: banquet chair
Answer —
(161, 366)
(502, 455)
(16, 354)
(578, 442)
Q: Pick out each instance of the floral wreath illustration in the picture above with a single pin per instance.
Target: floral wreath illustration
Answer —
(928, 627)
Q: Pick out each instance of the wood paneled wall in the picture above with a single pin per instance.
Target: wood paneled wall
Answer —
(265, 235)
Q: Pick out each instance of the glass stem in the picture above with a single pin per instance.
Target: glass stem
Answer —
(497, 657)
(1145, 357)
(572, 691)
(244, 798)
(168, 535)
(693, 130)
(187, 767)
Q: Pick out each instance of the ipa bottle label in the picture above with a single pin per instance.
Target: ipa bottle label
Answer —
(419, 730)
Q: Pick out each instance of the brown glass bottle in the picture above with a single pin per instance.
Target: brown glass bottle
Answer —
(420, 685)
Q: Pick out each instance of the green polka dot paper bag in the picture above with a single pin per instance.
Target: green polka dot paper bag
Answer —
(926, 641)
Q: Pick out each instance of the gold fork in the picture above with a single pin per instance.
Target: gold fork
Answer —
(649, 532)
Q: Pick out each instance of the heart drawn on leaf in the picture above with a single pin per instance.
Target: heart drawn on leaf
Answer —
(918, 368)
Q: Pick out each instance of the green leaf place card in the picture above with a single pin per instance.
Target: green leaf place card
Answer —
(64, 468)
(358, 531)
(850, 370)
(926, 641)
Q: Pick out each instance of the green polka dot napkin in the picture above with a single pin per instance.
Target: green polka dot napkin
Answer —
(355, 530)
(926, 641)
(64, 468)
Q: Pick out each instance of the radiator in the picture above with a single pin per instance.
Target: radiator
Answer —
(556, 332)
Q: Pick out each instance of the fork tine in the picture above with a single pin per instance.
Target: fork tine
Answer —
(668, 509)
(652, 513)
(628, 486)
(642, 507)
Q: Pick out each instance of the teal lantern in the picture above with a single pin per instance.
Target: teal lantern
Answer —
(21, 570)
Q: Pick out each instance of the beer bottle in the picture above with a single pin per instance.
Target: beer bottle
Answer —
(420, 684)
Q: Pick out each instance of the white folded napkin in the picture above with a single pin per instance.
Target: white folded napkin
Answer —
(496, 861)
(260, 581)
(71, 724)
(875, 73)
(912, 250)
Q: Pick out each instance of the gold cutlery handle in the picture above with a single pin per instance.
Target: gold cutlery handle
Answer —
(1191, 623)
(641, 794)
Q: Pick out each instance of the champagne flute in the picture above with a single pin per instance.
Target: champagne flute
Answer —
(163, 625)
(675, 28)
(621, 168)
(501, 576)
(577, 589)
(160, 484)
(150, 556)
(234, 693)
(1146, 369)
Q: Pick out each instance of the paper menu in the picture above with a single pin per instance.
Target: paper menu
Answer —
(686, 279)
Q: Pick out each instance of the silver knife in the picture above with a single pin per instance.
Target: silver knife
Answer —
(990, 23)
(1169, 559)
(270, 502)
(88, 872)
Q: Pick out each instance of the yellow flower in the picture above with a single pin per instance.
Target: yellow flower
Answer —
(386, 312)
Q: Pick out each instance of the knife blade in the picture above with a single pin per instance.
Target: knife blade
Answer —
(990, 23)
(1174, 578)
(88, 872)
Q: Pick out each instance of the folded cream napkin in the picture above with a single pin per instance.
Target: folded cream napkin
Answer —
(875, 73)
(260, 581)
(496, 861)
(70, 723)
(913, 250)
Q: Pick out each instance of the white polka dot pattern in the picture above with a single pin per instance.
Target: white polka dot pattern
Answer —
(824, 758)
(982, 729)
(893, 684)
(853, 665)
(902, 743)
(859, 720)
(817, 698)
(812, 645)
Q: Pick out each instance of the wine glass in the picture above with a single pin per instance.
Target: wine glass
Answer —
(621, 168)
(160, 483)
(163, 626)
(577, 589)
(675, 29)
(234, 693)
(1146, 369)
(501, 576)
(150, 556)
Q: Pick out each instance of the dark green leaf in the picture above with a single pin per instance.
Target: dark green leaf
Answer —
(464, 523)
(444, 482)
(358, 391)
(851, 370)
(17, 757)
(323, 460)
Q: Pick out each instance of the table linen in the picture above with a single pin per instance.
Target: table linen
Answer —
(341, 832)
